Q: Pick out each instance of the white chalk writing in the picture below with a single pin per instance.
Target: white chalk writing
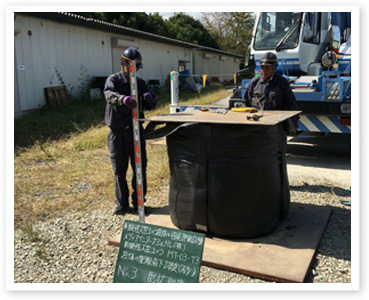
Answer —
(168, 265)
(159, 278)
(156, 254)
(177, 236)
(129, 272)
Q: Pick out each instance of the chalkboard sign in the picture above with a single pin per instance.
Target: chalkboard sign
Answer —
(156, 254)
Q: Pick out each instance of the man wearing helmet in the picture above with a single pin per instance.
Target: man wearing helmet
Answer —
(269, 90)
(118, 117)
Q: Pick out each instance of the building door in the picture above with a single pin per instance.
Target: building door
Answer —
(116, 53)
(221, 70)
(181, 66)
(205, 66)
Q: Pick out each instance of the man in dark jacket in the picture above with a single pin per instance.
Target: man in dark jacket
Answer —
(118, 117)
(270, 91)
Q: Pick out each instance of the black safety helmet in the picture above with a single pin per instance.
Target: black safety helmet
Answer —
(132, 54)
(269, 59)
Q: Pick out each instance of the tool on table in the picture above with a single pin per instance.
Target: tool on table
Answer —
(244, 109)
(218, 110)
(256, 117)
(222, 111)
(204, 109)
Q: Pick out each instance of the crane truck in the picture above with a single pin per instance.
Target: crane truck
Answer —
(314, 54)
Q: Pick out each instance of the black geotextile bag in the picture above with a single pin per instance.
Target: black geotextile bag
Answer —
(228, 180)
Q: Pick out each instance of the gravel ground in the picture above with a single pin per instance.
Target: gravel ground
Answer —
(74, 249)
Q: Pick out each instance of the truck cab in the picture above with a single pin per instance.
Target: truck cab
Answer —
(300, 39)
(314, 54)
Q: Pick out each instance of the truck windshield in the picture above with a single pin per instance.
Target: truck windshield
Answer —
(272, 27)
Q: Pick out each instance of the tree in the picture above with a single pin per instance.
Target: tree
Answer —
(185, 28)
(232, 30)
(180, 26)
(156, 24)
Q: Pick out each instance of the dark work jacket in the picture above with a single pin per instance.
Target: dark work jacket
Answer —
(275, 94)
(117, 115)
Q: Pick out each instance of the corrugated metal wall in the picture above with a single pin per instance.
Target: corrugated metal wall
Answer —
(160, 59)
(52, 53)
(216, 65)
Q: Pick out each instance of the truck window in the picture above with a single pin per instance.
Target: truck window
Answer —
(311, 29)
(272, 27)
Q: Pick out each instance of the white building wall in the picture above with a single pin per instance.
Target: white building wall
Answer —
(221, 66)
(158, 59)
(231, 67)
(55, 53)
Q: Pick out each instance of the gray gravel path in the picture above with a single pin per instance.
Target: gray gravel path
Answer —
(75, 249)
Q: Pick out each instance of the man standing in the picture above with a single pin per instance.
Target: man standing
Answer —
(270, 91)
(118, 117)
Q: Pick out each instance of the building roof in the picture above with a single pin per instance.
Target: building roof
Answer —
(69, 18)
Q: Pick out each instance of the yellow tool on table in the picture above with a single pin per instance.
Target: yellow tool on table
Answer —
(244, 109)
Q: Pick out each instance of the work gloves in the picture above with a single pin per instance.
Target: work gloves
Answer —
(149, 101)
(128, 101)
(148, 97)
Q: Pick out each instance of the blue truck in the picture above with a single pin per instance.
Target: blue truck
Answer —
(314, 54)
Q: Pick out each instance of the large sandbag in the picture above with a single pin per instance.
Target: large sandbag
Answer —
(228, 181)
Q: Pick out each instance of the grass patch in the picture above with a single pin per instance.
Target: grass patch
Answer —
(41, 252)
(208, 95)
(62, 162)
(93, 138)
(57, 122)
(32, 235)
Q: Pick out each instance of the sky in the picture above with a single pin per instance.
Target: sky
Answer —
(167, 15)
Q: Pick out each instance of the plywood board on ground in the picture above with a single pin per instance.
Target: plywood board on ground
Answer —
(196, 116)
(283, 256)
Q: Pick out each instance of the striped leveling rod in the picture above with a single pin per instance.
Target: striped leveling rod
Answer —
(137, 142)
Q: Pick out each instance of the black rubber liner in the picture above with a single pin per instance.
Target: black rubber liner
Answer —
(228, 181)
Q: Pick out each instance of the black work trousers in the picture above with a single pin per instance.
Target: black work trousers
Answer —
(120, 143)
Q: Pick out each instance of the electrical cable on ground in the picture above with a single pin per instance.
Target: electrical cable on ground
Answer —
(341, 201)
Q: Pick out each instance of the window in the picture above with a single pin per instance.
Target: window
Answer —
(181, 66)
(311, 31)
(277, 27)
